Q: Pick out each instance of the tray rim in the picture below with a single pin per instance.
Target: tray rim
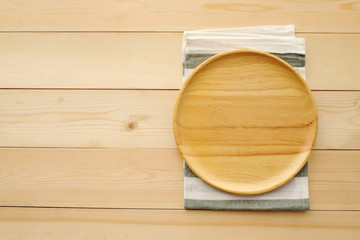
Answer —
(242, 51)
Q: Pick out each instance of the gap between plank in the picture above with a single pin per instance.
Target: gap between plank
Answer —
(149, 89)
(149, 31)
(164, 209)
(106, 148)
(109, 89)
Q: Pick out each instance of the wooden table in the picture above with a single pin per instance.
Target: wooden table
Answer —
(86, 100)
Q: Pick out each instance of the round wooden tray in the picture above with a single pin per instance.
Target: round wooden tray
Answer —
(245, 122)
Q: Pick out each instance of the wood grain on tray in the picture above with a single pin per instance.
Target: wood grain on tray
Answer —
(245, 121)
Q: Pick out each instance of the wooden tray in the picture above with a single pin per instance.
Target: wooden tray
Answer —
(245, 122)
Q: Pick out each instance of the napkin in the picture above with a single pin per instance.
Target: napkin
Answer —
(281, 42)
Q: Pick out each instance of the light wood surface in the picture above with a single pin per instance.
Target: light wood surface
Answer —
(175, 224)
(91, 60)
(136, 118)
(144, 178)
(155, 15)
(53, 52)
(245, 122)
(110, 60)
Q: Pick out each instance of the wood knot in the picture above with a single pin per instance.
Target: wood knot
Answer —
(131, 126)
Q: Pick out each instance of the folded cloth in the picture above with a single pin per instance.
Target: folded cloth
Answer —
(281, 42)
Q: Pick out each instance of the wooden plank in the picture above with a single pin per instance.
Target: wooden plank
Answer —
(90, 60)
(332, 61)
(38, 223)
(136, 119)
(87, 118)
(334, 179)
(146, 60)
(144, 178)
(339, 120)
(138, 178)
(308, 16)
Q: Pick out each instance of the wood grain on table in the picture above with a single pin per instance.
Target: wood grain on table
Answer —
(86, 100)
